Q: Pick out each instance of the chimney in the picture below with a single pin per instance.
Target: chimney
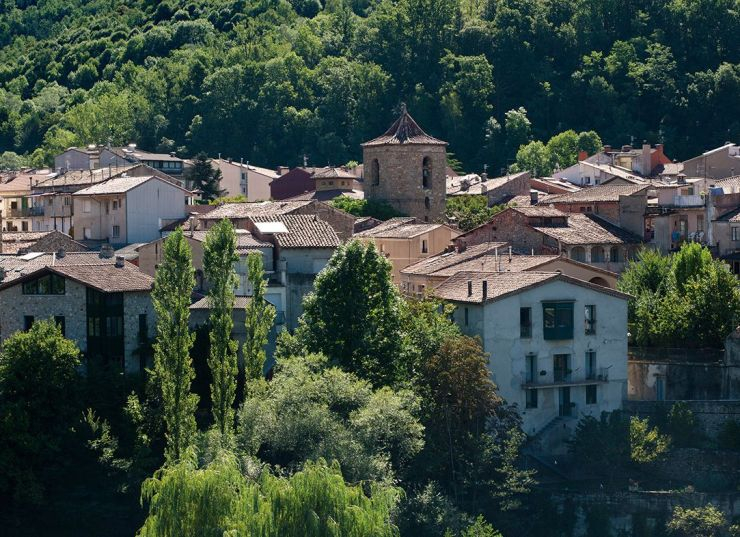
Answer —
(646, 160)
(534, 197)
(120, 260)
(582, 155)
(681, 178)
(485, 290)
(61, 253)
(23, 251)
(106, 251)
(470, 288)
(607, 149)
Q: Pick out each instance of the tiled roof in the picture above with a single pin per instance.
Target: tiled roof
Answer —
(614, 170)
(39, 241)
(244, 239)
(328, 195)
(539, 210)
(404, 131)
(117, 185)
(598, 193)
(19, 183)
(589, 229)
(729, 184)
(495, 182)
(503, 284)
(387, 225)
(453, 258)
(240, 302)
(334, 173)
(730, 216)
(245, 210)
(499, 263)
(82, 177)
(405, 231)
(304, 231)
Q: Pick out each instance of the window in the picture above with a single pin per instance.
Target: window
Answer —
(427, 203)
(50, 284)
(558, 320)
(59, 320)
(27, 322)
(561, 367)
(143, 328)
(590, 319)
(115, 205)
(426, 173)
(531, 399)
(466, 316)
(614, 254)
(86, 233)
(591, 394)
(424, 246)
(598, 255)
(736, 233)
(116, 231)
(531, 374)
(107, 207)
(525, 322)
(24, 226)
(578, 253)
(86, 206)
(67, 200)
(375, 172)
(590, 365)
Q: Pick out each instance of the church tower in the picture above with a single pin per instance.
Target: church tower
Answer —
(405, 167)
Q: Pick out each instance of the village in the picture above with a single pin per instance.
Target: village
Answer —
(537, 280)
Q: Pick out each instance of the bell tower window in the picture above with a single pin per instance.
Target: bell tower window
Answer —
(426, 172)
(375, 172)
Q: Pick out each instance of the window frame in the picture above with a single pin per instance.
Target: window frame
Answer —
(525, 328)
(561, 311)
(589, 319)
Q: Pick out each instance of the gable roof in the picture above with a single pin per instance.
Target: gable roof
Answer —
(453, 258)
(38, 241)
(304, 231)
(503, 284)
(732, 216)
(244, 239)
(598, 193)
(499, 263)
(404, 131)
(588, 229)
(248, 209)
(123, 184)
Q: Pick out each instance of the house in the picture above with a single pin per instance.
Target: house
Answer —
(302, 246)
(718, 163)
(168, 163)
(496, 257)
(330, 183)
(563, 356)
(239, 214)
(238, 178)
(622, 205)
(499, 189)
(405, 240)
(406, 168)
(723, 213)
(457, 184)
(292, 183)
(625, 166)
(78, 158)
(583, 237)
(17, 205)
(678, 214)
(100, 302)
(38, 241)
(190, 222)
(123, 210)
(547, 185)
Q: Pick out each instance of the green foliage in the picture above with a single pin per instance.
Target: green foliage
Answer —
(729, 435)
(173, 371)
(647, 444)
(480, 528)
(353, 316)
(374, 208)
(687, 299)
(259, 318)
(204, 177)
(705, 521)
(309, 410)
(39, 406)
(471, 211)
(240, 198)
(218, 499)
(219, 256)
(682, 426)
(602, 442)
(560, 152)
(11, 161)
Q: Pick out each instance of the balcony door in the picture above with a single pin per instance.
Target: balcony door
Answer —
(564, 400)
(561, 367)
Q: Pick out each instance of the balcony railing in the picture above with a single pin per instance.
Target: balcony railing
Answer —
(25, 212)
(564, 378)
(693, 200)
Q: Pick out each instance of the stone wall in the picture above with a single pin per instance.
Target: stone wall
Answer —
(704, 469)
(507, 226)
(710, 415)
(135, 304)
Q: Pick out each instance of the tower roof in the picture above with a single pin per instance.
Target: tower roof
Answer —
(404, 131)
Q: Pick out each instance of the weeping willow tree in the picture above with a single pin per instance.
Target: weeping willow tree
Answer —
(173, 369)
(219, 256)
(185, 501)
(259, 316)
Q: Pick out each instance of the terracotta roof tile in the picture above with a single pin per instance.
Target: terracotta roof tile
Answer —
(589, 229)
(500, 263)
(404, 131)
(598, 193)
(245, 210)
(453, 258)
(304, 231)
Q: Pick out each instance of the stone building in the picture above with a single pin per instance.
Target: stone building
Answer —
(405, 167)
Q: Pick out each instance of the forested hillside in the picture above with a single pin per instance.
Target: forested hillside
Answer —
(270, 80)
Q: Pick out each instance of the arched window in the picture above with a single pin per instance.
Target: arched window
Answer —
(426, 172)
(598, 255)
(578, 253)
(614, 254)
(375, 172)
(427, 203)
(599, 281)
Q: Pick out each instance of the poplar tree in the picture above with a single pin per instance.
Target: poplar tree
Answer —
(219, 256)
(259, 317)
(173, 370)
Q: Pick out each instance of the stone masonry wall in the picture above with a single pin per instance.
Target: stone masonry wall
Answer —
(135, 304)
(710, 415)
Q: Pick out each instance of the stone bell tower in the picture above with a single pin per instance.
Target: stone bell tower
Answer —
(405, 167)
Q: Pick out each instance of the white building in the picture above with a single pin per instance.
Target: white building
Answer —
(557, 345)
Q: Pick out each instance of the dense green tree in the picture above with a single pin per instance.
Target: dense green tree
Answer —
(374, 208)
(258, 320)
(353, 315)
(202, 176)
(173, 370)
(705, 521)
(471, 211)
(219, 256)
(189, 501)
(39, 406)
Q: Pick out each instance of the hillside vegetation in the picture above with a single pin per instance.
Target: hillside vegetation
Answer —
(272, 80)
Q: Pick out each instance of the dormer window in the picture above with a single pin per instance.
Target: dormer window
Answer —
(426, 172)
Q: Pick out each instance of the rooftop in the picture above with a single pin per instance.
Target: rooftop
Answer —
(404, 131)
(539, 210)
(117, 185)
(240, 302)
(244, 239)
(599, 193)
(245, 210)
(304, 231)
(499, 263)
(38, 241)
(453, 258)
(402, 227)
(589, 229)
(328, 195)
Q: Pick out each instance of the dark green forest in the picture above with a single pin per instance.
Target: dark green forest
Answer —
(272, 80)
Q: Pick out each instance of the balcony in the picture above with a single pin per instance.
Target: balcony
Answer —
(561, 378)
(25, 212)
(693, 200)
